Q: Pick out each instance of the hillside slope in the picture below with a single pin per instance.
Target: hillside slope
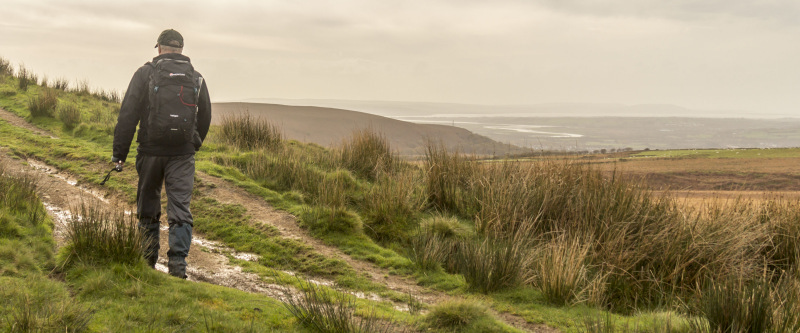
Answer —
(328, 127)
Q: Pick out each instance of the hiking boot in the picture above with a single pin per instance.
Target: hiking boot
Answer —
(177, 267)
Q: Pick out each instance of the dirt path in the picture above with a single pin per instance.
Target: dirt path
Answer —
(261, 212)
(21, 122)
(208, 261)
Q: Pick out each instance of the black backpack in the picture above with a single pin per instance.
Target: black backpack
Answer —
(174, 91)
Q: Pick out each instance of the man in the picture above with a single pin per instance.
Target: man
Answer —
(163, 91)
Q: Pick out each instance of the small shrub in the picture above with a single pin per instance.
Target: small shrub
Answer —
(367, 154)
(248, 132)
(95, 236)
(69, 115)
(43, 105)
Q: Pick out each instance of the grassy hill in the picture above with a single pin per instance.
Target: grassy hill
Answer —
(363, 241)
(329, 127)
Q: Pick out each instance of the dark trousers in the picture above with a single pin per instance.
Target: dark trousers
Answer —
(177, 174)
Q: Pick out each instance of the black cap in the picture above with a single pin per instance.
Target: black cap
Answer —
(170, 37)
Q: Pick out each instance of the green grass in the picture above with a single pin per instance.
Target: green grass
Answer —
(128, 298)
(463, 316)
(231, 225)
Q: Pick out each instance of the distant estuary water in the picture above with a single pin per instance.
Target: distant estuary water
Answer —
(595, 133)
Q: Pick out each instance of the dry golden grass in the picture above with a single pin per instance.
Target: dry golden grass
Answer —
(699, 182)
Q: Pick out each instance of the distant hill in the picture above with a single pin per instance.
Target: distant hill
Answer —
(395, 109)
(329, 126)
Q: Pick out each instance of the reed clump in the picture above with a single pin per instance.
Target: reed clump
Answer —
(25, 78)
(323, 310)
(392, 206)
(44, 105)
(98, 236)
(367, 154)
(6, 69)
(248, 132)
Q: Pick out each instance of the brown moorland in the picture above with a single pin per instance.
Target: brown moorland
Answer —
(704, 179)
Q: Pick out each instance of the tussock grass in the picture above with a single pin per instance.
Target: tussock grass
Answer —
(757, 305)
(493, 264)
(392, 205)
(248, 132)
(82, 88)
(561, 271)
(18, 194)
(70, 115)
(25, 78)
(367, 154)
(446, 175)
(96, 236)
(6, 69)
(108, 95)
(60, 84)
(44, 105)
(461, 316)
(436, 241)
(326, 311)
(323, 220)
(38, 304)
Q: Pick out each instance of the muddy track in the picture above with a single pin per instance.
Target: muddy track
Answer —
(209, 261)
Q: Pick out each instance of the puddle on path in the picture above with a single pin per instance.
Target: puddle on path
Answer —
(41, 166)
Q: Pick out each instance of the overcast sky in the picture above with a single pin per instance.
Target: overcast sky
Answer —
(706, 54)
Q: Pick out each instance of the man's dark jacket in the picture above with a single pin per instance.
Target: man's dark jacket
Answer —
(134, 110)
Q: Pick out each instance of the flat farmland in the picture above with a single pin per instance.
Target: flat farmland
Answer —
(700, 176)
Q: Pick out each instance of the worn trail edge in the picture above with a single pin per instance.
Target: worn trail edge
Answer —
(60, 192)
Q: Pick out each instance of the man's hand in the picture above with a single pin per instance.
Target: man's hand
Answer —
(117, 163)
